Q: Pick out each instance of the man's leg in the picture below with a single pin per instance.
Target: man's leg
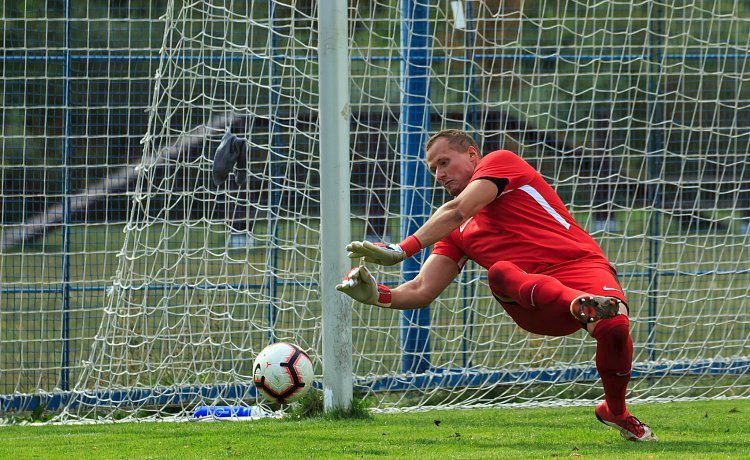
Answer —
(541, 291)
(614, 357)
(541, 306)
(614, 350)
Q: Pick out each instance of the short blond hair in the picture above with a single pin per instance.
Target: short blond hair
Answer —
(456, 138)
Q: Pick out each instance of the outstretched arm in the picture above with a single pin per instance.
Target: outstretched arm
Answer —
(435, 275)
(447, 218)
(437, 272)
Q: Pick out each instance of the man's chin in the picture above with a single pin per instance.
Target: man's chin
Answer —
(452, 192)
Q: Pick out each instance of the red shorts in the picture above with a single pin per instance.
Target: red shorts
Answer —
(594, 279)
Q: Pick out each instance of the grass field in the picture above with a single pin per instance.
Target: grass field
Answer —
(687, 430)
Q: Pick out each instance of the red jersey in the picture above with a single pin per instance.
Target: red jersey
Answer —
(527, 224)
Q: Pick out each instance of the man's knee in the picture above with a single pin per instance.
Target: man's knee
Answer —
(618, 327)
(615, 329)
(498, 276)
(614, 350)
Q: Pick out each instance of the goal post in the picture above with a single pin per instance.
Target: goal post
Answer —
(333, 56)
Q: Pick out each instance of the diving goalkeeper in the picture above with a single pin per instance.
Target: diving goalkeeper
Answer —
(547, 272)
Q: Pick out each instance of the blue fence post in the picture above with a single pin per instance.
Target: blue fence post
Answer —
(274, 195)
(67, 190)
(655, 145)
(415, 178)
(469, 125)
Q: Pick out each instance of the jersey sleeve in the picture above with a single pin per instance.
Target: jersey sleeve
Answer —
(505, 169)
(445, 247)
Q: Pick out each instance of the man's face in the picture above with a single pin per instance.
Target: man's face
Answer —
(452, 168)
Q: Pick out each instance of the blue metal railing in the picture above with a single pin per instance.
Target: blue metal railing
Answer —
(67, 190)
(654, 173)
(415, 190)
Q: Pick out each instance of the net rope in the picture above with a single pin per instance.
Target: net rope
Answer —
(635, 112)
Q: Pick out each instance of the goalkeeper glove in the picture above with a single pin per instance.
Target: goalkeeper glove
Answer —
(384, 253)
(360, 285)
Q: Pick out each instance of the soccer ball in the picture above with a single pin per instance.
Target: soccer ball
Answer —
(282, 373)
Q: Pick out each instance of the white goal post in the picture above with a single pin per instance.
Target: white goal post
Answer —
(637, 114)
(333, 71)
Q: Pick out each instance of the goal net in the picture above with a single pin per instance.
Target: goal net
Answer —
(636, 113)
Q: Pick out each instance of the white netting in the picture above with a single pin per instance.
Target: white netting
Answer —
(636, 113)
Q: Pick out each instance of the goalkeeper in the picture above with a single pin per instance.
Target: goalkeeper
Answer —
(547, 272)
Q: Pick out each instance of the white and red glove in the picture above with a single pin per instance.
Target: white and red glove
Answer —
(360, 285)
(384, 253)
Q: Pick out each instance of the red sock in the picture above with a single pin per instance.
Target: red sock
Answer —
(529, 290)
(614, 356)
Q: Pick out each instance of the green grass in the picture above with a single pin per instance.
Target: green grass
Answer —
(687, 430)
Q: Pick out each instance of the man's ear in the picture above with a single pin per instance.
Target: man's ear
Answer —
(473, 154)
